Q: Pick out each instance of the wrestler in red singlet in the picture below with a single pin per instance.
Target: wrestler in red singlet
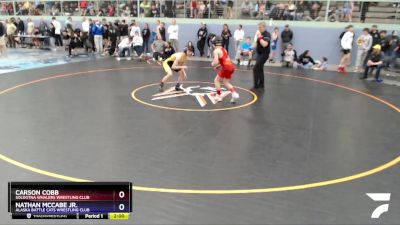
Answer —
(226, 67)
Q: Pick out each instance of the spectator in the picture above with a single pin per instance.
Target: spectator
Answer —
(98, 32)
(145, 7)
(126, 12)
(201, 10)
(348, 11)
(246, 8)
(210, 40)
(333, 14)
(173, 34)
(57, 31)
(193, 9)
(137, 44)
(52, 35)
(305, 60)
(162, 31)
(238, 35)
(85, 34)
(68, 23)
(364, 42)
(393, 47)
(346, 43)
(277, 11)
(74, 42)
(289, 56)
(321, 65)
(158, 48)
(158, 23)
(290, 11)
(226, 34)
(21, 26)
(229, 9)
(286, 36)
(83, 5)
(375, 60)
(364, 9)
(43, 27)
(112, 39)
(134, 10)
(384, 43)
(123, 29)
(246, 49)
(110, 10)
(154, 11)
(313, 11)
(190, 44)
(124, 48)
(219, 10)
(11, 29)
(376, 39)
(168, 50)
(3, 9)
(260, 11)
(134, 28)
(301, 8)
(2, 38)
(30, 27)
(274, 44)
(201, 38)
(146, 38)
(55, 10)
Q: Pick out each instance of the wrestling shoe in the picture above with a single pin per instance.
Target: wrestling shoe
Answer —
(235, 96)
(179, 88)
(217, 97)
(161, 87)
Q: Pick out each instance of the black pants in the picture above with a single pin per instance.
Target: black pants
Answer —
(258, 70)
(146, 45)
(157, 55)
(58, 40)
(200, 46)
(72, 46)
(225, 44)
(377, 73)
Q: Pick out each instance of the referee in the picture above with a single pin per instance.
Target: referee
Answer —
(262, 47)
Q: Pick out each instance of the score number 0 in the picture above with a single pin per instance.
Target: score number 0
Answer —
(121, 195)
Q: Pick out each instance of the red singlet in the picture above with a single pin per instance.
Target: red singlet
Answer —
(227, 65)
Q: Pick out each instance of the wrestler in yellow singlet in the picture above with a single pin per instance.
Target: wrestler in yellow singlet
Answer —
(176, 62)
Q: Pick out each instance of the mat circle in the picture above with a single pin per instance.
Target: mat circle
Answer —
(136, 98)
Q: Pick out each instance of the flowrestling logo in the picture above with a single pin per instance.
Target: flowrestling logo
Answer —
(201, 94)
(379, 197)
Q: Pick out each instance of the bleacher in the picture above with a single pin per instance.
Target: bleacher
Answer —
(378, 12)
(382, 12)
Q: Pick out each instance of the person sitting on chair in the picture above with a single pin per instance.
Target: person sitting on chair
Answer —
(375, 60)
(246, 49)
(289, 56)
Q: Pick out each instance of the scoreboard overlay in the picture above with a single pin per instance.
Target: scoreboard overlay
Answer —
(70, 200)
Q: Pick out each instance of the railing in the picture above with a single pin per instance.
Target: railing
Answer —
(329, 11)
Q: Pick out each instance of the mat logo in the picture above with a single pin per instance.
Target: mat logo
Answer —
(379, 197)
(198, 92)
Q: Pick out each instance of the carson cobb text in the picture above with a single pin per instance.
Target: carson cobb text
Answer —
(36, 192)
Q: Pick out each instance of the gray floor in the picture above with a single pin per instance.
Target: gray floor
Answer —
(297, 132)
